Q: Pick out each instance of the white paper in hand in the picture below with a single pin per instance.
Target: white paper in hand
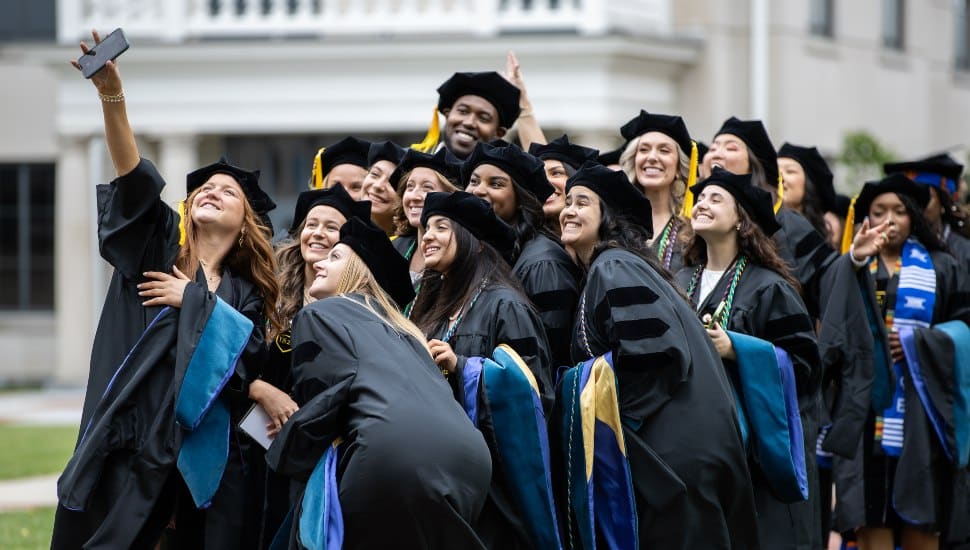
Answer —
(254, 425)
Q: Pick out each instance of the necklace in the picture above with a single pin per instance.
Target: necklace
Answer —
(723, 311)
(211, 278)
(665, 243)
(461, 313)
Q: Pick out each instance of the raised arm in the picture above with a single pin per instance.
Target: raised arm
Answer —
(117, 131)
(527, 126)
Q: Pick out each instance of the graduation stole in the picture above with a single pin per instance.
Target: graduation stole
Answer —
(204, 417)
(503, 393)
(600, 496)
(666, 242)
(913, 308)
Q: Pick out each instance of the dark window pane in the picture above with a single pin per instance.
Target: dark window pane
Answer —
(32, 20)
(27, 236)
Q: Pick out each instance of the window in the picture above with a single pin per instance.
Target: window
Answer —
(26, 236)
(961, 45)
(893, 24)
(822, 18)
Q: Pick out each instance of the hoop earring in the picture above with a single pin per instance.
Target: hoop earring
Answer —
(241, 235)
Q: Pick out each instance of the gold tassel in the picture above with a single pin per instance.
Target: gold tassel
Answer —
(430, 140)
(847, 232)
(316, 175)
(181, 210)
(691, 180)
(781, 194)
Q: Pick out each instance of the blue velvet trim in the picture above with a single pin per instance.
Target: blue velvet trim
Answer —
(472, 374)
(763, 396)
(520, 437)
(198, 409)
(321, 521)
(795, 434)
(908, 342)
(959, 333)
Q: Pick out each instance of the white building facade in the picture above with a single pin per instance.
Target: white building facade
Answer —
(270, 81)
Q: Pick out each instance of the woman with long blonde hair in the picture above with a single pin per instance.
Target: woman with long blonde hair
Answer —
(373, 400)
(191, 303)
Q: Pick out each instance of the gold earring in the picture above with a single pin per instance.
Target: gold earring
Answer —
(737, 227)
(241, 235)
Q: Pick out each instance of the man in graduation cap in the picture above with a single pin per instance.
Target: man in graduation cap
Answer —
(478, 106)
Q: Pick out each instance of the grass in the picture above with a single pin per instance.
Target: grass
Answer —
(27, 529)
(34, 450)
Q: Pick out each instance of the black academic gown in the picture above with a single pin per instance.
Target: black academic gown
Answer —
(413, 471)
(874, 490)
(135, 490)
(550, 280)
(687, 461)
(807, 254)
(501, 316)
(767, 307)
(959, 246)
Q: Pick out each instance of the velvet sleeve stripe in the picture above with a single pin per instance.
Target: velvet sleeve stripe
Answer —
(781, 327)
(555, 300)
(810, 242)
(641, 329)
(630, 296)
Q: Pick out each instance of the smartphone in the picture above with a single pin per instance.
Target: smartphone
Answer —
(111, 47)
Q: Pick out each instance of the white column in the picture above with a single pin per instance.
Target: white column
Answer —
(177, 156)
(759, 60)
(74, 223)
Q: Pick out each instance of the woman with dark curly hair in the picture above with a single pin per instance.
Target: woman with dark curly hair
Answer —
(682, 445)
(744, 294)
(907, 483)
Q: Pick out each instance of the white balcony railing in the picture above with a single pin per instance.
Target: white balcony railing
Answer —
(180, 20)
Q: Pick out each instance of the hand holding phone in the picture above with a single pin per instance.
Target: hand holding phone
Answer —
(94, 59)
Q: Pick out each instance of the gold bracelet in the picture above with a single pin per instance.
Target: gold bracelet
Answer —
(117, 98)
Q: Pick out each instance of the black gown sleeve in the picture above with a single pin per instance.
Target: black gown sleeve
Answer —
(651, 350)
(779, 316)
(137, 231)
(807, 255)
(324, 368)
(553, 288)
(518, 325)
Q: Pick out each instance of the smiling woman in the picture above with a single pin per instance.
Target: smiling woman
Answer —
(167, 299)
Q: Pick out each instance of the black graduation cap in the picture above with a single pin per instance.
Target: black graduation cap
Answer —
(615, 189)
(390, 269)
(560, 149)
(472, 213)
(842, 203)
(755, 136)
(443, 162)
(816, 169)
(259, 201)
(384, 150)
(939, 170)
(349, 150)
(493, 87)
(612, 157)
(755, 200)
(702, 150)
(336, 197)
(670, 125)
(523, 168)
(893, 183)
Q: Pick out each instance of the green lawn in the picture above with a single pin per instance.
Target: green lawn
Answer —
(35, 450)
(27, 529)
